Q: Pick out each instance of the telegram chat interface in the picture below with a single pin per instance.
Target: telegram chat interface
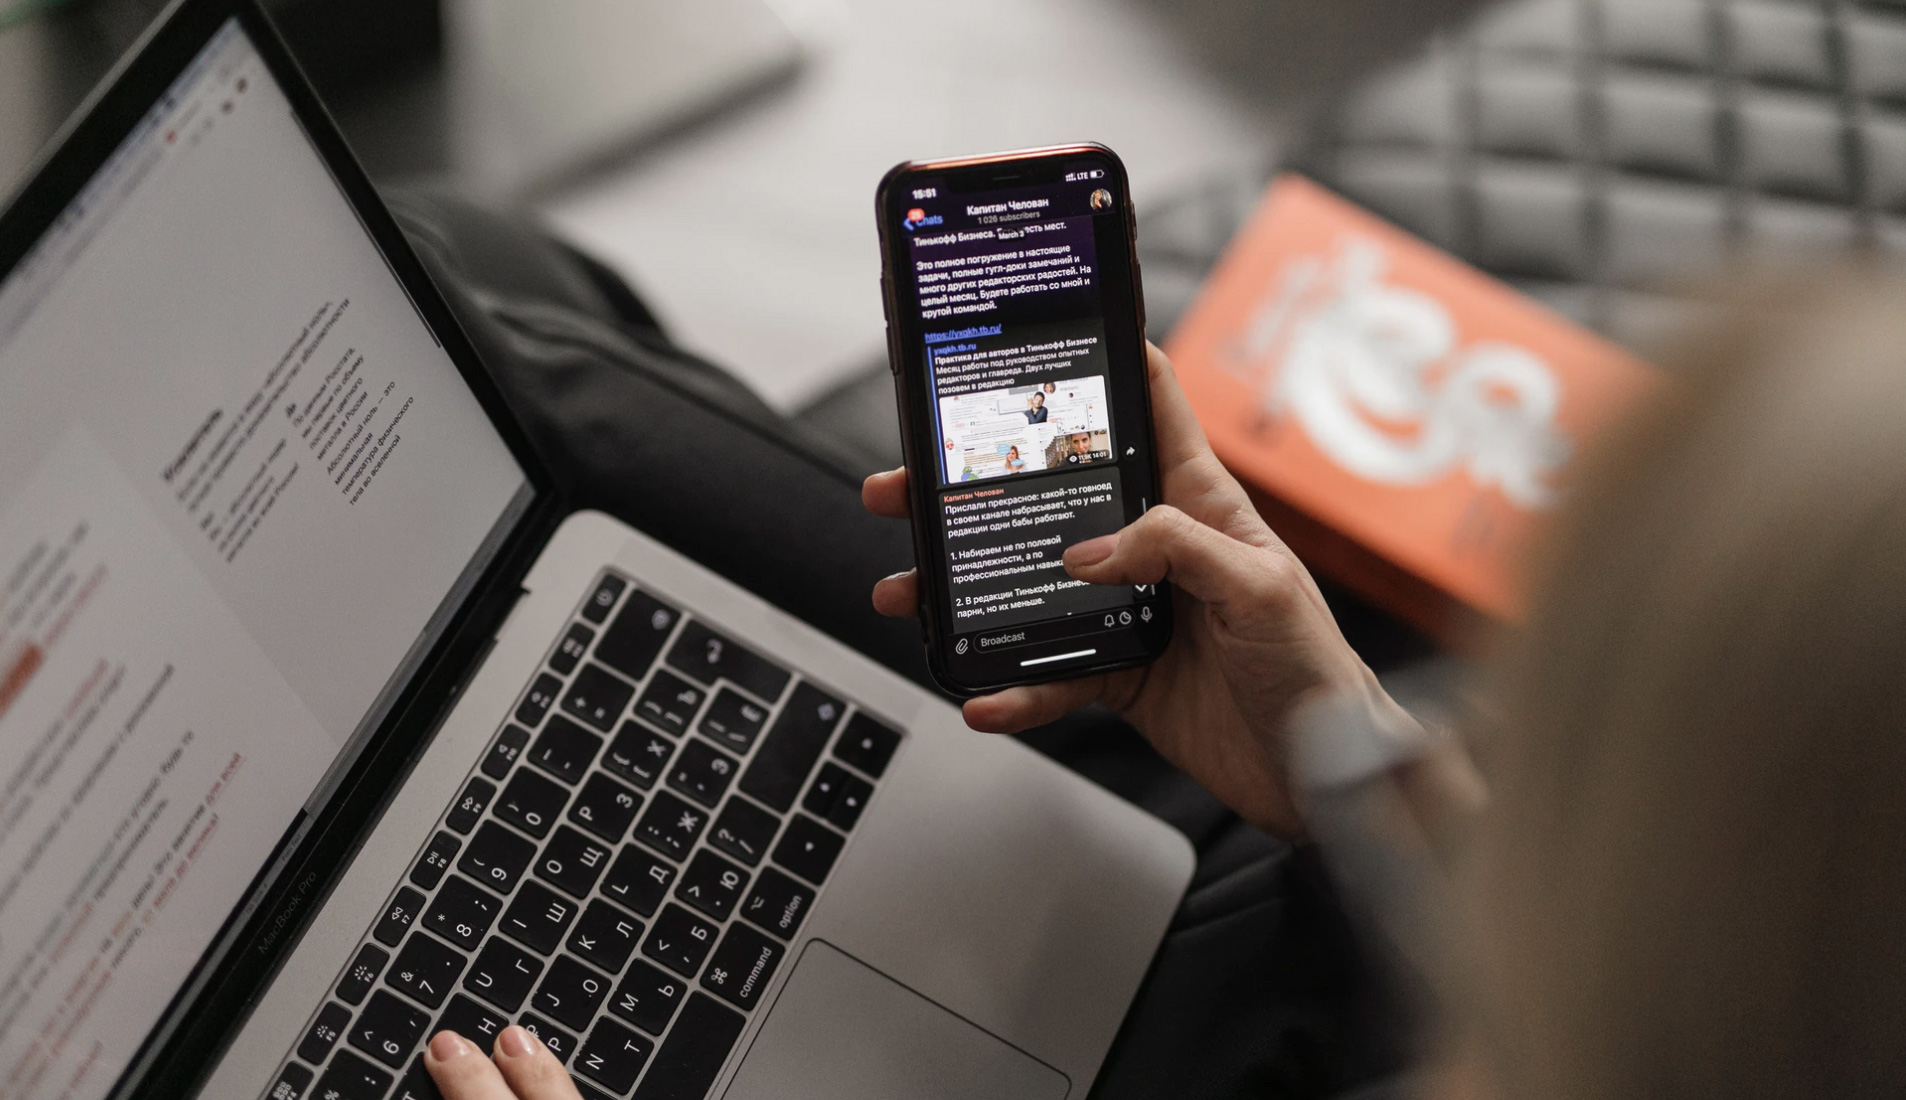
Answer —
(1007, 289)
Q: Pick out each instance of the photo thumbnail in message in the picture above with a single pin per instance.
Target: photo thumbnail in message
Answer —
(1049, 426)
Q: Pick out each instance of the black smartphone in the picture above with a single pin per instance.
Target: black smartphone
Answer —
(1016, 331)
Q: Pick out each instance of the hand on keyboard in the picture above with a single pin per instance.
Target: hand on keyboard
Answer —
(522, 1069)
(1254, 636)
(621, 876)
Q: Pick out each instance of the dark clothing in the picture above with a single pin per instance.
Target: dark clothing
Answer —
(1036, 416)
(1259, 989)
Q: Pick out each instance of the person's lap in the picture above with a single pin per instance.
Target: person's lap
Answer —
(1260, 987)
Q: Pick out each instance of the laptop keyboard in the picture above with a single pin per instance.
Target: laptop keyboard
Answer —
(622, 872)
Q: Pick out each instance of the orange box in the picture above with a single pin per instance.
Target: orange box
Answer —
(1405, 421)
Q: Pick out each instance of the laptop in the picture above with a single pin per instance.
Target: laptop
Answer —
(327, 725)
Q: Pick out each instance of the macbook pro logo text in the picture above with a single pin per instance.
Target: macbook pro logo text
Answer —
(917, 217)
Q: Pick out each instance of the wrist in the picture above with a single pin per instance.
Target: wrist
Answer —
(1347, 735)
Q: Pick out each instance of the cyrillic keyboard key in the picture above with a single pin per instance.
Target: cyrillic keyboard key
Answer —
(680, 940)
(538, 918)
(569, 651)
(838, 796)
(808, 848)
(531, 802)
(416, 1083)
(613, 1055)
(570, 992)
(435, 860)
(742, 966)
(744, 830)
(352, 1078)
(323, 1033)
(689, 1060)
(605, 807)
(794, 743)
(867, 743)
(647, 997)
(605, 936)
(733, 721)
(638, 754)
(560, 1042)
(503, 974)
(397, 917)
(388, 1029)
(541, 696)
(293, 1082)
(598, 697)
(702, 772)
(638, 880)
(671, 826)
(469, 808)
(608, 589)
(565, 750)
(670, 702)
(778, 904)
(707, 656)
(426, 970)
(509, 745)
(362, 974)
(638, 634)
(712, 884)
(474, 1022)
(572, 862)
(496, 857)
(461, 913)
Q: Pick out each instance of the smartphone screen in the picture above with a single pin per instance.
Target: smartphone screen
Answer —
(1016, 325)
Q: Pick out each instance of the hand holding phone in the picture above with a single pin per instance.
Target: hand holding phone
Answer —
(1254, 637)
(1016, 332)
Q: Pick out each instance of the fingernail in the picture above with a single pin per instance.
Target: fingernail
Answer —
(516, 1042)
(1091, 551)
(447, 1046)
(896, 576)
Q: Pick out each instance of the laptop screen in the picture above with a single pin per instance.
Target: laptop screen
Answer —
(241, 488)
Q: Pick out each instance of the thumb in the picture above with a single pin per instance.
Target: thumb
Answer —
(1165, 544)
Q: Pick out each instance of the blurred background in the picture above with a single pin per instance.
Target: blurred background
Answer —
(1601, 156)
(722, 154)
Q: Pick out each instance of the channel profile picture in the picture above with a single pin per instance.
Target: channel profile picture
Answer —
(1101, 199)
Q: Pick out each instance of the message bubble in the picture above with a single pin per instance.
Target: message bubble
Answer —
(1022, 354)
(1005, 546)
(960, 274)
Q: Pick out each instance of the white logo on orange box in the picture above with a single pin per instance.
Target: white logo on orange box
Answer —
(1373, 373)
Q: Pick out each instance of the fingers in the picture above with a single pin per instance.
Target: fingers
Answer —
(885, 494)
(532, 1071)
(898, 596)
(1181, 438)
(1022, 708)
(461, 1071)
(1193, 478)
(1168, 545)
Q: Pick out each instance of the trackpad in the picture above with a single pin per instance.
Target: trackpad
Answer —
(842, 1030)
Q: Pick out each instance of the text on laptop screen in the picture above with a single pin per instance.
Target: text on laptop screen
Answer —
(241, 486)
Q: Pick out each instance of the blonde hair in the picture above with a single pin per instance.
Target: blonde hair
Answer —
(1692, 879)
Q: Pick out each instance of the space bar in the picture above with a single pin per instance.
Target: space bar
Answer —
(693, 1053)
